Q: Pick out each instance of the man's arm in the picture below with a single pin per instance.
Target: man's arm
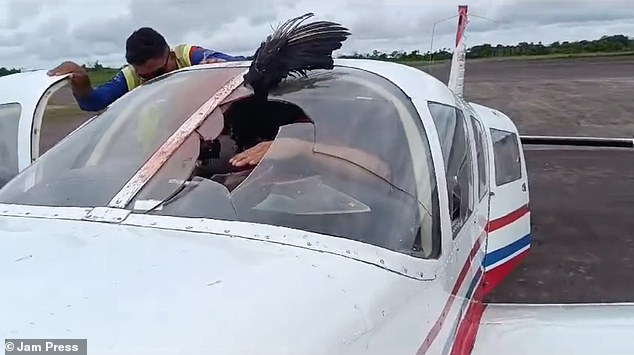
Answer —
(87, 98)
(103, 95)
(200, 55)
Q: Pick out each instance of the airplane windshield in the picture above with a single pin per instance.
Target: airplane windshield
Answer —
(341, 163)
(348, 158)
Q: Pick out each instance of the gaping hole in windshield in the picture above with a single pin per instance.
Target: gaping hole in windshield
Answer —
(337, 162)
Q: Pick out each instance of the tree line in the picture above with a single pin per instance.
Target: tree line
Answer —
(6, 71)
(606, 44)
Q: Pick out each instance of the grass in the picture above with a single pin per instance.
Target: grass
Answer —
(525, 57)
(102, 76)
(563, 56)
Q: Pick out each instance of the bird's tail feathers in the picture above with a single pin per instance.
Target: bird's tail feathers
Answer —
(293, 49)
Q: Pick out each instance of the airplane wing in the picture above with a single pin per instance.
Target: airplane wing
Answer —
(578, 329)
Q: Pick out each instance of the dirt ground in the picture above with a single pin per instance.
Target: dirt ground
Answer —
(582, 201)
(61, 117)
(585, 96)
(582, 204)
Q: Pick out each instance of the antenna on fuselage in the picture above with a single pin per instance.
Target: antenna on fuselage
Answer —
(458, 60)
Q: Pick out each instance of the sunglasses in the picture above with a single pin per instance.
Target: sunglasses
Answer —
(158, 72)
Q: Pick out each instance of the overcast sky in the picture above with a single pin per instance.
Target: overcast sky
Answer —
(42, 33)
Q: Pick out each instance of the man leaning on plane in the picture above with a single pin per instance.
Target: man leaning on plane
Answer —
(148, 56)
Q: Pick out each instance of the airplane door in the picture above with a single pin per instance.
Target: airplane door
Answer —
(23, 97)
(508, 229)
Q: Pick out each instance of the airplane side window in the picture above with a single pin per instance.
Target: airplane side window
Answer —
(483, 183)
(428, 241)
(466, 170)
(452, 131)
(9, 120)
(507, 157)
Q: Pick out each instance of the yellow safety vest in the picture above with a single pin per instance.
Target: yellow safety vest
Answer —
(182, 59)
(149, 117)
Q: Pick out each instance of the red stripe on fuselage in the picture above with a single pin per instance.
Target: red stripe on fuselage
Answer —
(508, 219)
(468, 329)
(435, 330)
(493, 277)
(469, 325)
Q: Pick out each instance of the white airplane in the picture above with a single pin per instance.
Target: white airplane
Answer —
(386, 208)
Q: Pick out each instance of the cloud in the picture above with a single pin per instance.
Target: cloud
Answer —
(40, 34)
(20, 11)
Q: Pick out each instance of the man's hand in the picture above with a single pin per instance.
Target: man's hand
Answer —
(78, 77)
(212, 60)
(251, 156)
(74, 69)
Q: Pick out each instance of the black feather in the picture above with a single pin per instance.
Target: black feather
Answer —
(292, 50)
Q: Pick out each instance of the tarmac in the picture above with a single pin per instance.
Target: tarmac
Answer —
(581, 199)
(582, 225)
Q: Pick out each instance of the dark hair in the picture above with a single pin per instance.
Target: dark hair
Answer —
(144, 44)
